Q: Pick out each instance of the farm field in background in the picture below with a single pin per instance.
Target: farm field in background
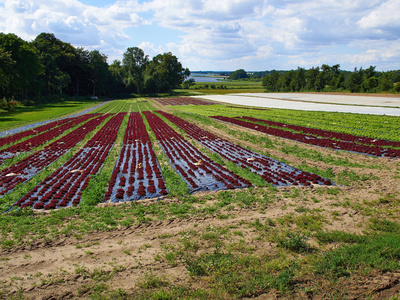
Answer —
(223, 87)
(183, 198)
(307, 105)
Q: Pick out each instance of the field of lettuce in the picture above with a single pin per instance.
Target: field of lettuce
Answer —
(171, 198)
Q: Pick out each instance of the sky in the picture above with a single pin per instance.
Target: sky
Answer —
(221, 35)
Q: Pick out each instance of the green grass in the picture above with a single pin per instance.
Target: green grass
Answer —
(223, 87)
(381, 252)
(24, 115)
(94, 193)
(115, 106)
(21, 227)
(384, 225)
(338, 237)
(145, 106)
(24, 226)
(295, 242)
(236, 276)
(315, 155)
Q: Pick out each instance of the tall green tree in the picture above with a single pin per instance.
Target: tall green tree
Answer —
(164, 73)
(338, 82)
(370, 81)
(188, 83)
(99, 72)
(298, 80)
(80, 73)
(284, 81)
(6, 66)
(354, 80)
(311, 77)
(19, 67)
(370, 72)
(385, 82)
(238, 74)
(57, 57)
(186, 73)
(319, 83)
(395, 79)
(117, 78)
(270, 81)
(134, 63)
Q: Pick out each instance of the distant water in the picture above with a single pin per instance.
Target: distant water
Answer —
(206, 79)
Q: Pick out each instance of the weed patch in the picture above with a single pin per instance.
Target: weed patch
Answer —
(381, 252)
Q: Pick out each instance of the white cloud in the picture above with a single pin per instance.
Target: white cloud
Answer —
(385, 15)
(383, 54)
(294, 32)
(71, 21)
(383, 20)
(150, 50)
(260, 34)
(18, 6)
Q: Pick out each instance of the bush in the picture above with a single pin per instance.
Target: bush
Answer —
(295, 242)
(8, 105)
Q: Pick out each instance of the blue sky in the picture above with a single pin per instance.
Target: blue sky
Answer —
(254, 35)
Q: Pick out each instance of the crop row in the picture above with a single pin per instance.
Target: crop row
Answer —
(331, 140)
(328, 134)
(33, 164)
(182, 101)
(384, 127)
(248, 108)
(42, 138)
(64, 187)
(195, 168)
(273, 171)
(137, 174)
(37, 130)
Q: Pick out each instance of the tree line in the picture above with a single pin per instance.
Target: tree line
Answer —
(47, 68)
(330, 79)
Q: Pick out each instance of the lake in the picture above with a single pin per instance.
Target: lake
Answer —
(206, 79)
